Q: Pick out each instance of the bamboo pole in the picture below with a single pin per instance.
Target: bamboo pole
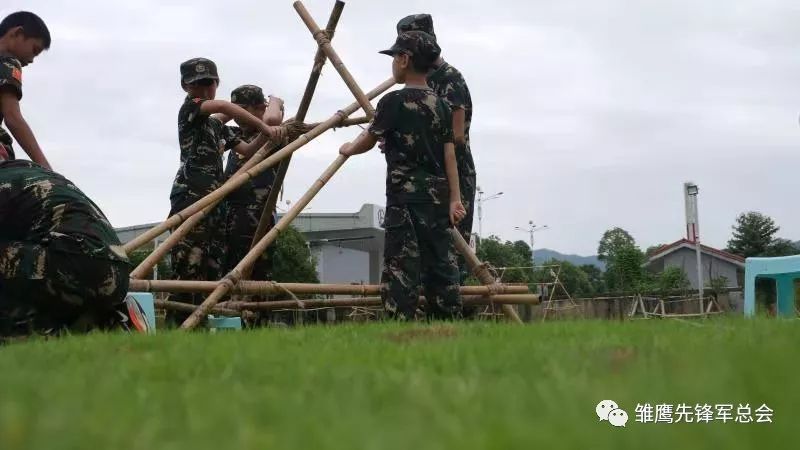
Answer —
(232, 278)
(159, 252)
(480, 271)
(249, 170)
(277, 185)
(325, 44)
(302, 110)
(188, 308)
(269, 287)
(319, 62)
(354, 121)
(520, 299)
(235, 308)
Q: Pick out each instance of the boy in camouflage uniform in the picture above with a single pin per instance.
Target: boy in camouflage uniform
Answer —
(61, 263)
(244, 206)
(23, 36)
(422, 192)
(203, 139)
(448, 83)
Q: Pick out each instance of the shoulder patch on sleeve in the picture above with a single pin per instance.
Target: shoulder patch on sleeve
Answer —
(16, 74)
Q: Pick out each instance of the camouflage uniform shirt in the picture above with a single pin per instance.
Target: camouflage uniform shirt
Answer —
(448, 83)
(40, 206)
(10, 78)
(258, 188)
(415, 125)
(203, 139)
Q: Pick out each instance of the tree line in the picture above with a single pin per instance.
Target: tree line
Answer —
(753, 234)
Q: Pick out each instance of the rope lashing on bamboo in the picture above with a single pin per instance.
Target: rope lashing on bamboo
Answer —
(299, 302)
(333, 57)
(321, 37)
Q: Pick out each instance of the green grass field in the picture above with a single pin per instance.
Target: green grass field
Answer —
(394, 386)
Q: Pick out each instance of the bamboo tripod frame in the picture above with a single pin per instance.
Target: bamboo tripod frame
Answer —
(270, 154)
(556, 283)
(659, 310)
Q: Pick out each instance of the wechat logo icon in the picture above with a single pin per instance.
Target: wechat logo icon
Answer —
(610, 411)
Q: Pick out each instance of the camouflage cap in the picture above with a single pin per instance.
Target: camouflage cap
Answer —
(415, 43)
(416, 22)
(198, 69)
(248, 95)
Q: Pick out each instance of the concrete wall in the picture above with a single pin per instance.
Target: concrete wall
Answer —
(686, 259)
(337, 264)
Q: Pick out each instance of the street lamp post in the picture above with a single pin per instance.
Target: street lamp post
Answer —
(531, 229)
(480, 201)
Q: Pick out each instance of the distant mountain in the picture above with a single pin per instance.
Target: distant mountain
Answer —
(544, 254)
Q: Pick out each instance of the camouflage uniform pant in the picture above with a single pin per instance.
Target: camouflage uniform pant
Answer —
(240, 227)
(199, 256)
(42, 288)
(417, 242)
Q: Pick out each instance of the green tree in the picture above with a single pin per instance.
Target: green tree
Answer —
(506, 254)
(652, 250)
(164, 270)
(624, 260)
(292, 261)
(625, 272)
(673, 278)
(596, 278)
(754, 235)
(612, 241)
(523, 249)
(575, 280)
(718, 285)
(781, 247)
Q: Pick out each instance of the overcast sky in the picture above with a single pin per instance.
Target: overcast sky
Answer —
(588, 114)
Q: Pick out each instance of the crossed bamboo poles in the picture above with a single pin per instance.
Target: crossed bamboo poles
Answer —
(267, 157)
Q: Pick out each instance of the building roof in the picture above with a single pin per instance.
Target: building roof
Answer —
(361, 230)
(685, 243)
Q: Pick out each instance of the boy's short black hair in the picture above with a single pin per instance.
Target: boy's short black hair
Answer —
(32, 25)
(422, 63)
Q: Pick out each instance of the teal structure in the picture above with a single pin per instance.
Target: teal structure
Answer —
(231, 323)
(784, 270)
